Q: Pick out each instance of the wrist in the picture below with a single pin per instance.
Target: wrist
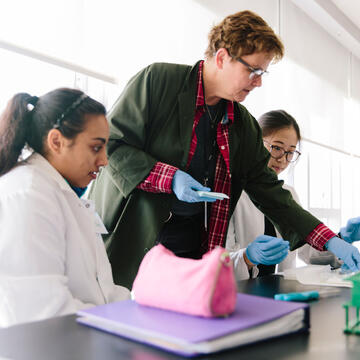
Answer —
(249, 264)
(330, 242)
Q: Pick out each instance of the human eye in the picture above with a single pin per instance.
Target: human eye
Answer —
(258, 72)
(277, 148)
(97, 148)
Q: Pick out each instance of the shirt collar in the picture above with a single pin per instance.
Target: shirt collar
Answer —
(200, 99)
(79, 191)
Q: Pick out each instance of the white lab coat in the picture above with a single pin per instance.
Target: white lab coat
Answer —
(52, 257)
(246, 224)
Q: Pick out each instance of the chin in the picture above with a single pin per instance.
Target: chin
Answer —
(81, 184)
(84, 185)
(240, 98)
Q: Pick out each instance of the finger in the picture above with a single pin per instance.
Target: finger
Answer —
(275, 243)
(350, 263)
(278, 246)
(345, 269)
(190, 196)
(265, 238)
(276, 258)
(195, 185)
(281, 256)
(353, 224)
(270, 244)
(356, 258)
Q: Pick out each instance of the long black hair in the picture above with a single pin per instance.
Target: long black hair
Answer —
(277, 119)
(27, 120)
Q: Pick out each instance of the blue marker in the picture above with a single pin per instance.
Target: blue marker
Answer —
(306, 295)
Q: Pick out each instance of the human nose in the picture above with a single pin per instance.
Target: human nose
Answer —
(257, 81)
(282, 159)
(103, 159)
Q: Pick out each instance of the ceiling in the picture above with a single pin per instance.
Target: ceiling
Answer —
(351, 8)
(340, 18)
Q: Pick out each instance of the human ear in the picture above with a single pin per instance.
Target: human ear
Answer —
(220, 57)
(55, 141)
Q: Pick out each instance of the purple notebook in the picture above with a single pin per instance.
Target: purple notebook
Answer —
(255, 318)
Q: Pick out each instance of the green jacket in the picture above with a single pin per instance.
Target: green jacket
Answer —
(152, 121)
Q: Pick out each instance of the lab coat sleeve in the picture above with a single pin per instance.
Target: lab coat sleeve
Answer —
(231, 236)
(115, 292)
(33, 284)
(240, 267)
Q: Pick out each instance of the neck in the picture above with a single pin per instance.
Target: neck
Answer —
(209, 83)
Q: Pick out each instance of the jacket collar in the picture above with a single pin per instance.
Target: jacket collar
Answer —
(187, 105)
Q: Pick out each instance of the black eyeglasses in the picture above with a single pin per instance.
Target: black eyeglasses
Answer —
(254, 73)
(278, 152)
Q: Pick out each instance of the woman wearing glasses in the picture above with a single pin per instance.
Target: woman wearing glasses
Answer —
(281, 136)
(177, 129)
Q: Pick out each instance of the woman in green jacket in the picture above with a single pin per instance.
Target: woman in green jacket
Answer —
(177, 129)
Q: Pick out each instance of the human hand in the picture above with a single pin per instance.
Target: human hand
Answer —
(351, 232)
(185, 187)
(267, 250)
(349, 254)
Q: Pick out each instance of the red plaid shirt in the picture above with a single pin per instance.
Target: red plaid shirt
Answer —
(160, 179)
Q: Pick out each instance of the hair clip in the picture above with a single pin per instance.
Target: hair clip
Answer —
(32, 102)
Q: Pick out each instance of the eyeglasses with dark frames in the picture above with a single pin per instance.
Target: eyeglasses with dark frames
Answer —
(254, 73)
(278, 152)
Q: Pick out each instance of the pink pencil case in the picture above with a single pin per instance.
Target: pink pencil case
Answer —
(204, 287)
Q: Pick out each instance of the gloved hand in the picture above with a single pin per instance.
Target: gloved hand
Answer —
(267, 250)
(349, 254)
(184, 187)
(351, 232)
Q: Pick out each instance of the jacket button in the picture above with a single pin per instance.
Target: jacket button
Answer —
(146, 250)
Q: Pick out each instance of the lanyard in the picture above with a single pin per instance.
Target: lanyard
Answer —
(210, 155)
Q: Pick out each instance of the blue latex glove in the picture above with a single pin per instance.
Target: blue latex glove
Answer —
(346, 252)
(351, 232)
(267, 250)
(184, 187)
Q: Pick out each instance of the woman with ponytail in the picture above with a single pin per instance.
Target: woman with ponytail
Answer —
(52, 257)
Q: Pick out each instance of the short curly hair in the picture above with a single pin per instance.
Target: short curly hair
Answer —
(244, 33)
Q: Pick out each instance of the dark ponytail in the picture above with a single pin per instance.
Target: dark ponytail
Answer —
(276, 120)
(63, 109)
(14, 123)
